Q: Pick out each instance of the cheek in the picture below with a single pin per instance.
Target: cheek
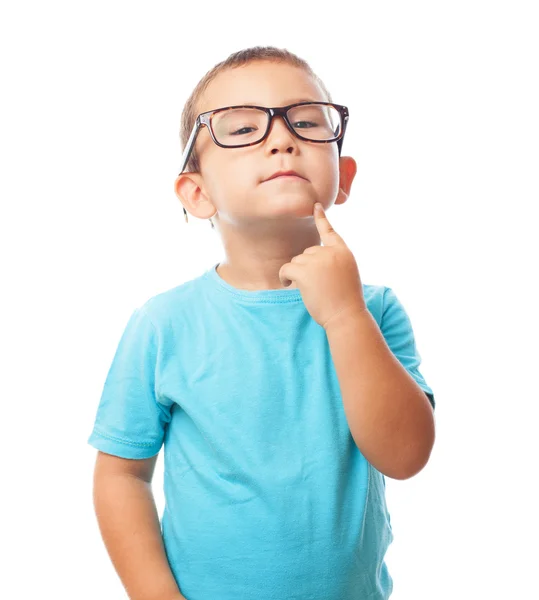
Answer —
(224, 172)
(233, 183)
(326, 183)
(243, 176)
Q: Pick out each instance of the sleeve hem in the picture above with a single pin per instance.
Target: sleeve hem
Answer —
(123, 448)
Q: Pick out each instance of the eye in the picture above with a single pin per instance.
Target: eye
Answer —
(242, 129)
(295, 124)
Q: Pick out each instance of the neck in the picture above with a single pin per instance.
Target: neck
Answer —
(253, 261)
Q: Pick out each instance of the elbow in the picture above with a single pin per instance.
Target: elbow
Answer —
(419, 462)
(411, 471)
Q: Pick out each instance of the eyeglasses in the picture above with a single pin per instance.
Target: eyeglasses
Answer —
(246, 125)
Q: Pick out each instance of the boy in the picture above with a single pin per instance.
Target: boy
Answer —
(282, 388)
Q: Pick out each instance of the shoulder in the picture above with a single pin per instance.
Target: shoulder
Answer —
(167, 307)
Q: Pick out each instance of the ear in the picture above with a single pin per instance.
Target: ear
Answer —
(189, 188)
(347, 172)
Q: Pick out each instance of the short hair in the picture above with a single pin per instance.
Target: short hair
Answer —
(242, 57)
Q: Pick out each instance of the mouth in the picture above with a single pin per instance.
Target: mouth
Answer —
(286, 178)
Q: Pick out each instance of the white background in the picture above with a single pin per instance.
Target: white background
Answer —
(444, 126)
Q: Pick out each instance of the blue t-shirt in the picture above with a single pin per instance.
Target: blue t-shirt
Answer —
(266, 494)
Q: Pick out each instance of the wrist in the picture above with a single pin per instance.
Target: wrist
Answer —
(346, 315)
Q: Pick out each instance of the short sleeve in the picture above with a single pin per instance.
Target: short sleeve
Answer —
(130, 422)
(398, 333)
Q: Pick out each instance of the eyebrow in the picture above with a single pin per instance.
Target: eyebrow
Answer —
(290, 101)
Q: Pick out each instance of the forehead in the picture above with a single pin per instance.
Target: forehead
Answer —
(262, 83)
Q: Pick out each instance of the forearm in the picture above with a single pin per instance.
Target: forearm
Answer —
(389, 415)
(129, 524)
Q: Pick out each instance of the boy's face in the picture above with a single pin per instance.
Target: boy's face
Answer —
(231, 180)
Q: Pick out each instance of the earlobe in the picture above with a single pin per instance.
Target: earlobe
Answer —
(342, 197)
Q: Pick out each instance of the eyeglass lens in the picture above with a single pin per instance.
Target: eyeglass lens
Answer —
(237, 126)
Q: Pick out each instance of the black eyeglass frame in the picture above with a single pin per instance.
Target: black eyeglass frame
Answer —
(204, 119)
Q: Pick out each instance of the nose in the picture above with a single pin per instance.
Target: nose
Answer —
(279, 136)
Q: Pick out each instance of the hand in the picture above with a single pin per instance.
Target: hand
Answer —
(327, 276)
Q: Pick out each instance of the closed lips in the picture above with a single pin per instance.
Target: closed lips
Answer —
(284, 174)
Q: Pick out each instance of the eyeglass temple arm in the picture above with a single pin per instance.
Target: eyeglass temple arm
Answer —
(187, 152)
(189, 146)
